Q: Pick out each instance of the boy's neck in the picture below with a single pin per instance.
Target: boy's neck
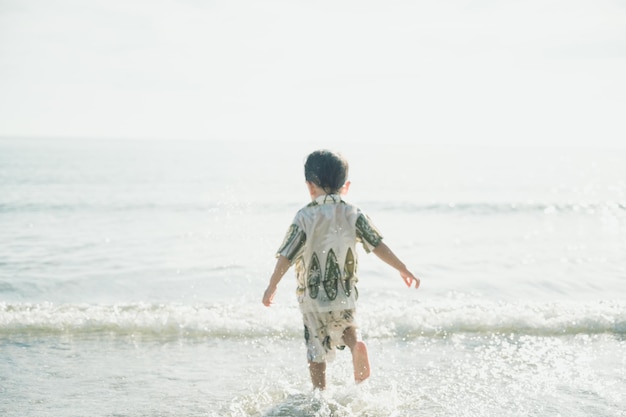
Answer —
(316, 191)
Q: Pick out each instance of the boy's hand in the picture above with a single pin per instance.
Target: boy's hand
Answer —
(409, 278)
(384, 253)
(268, 296)
(282, 265)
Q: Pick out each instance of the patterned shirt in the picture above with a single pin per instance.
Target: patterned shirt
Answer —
(321, 242)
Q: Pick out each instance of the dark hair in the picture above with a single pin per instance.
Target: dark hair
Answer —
(328, 170)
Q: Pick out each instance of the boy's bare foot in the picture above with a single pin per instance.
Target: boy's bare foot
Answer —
(361, 362)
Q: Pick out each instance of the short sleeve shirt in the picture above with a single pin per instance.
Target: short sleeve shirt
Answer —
(321, 242)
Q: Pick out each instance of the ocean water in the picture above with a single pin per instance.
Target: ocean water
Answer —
(131, 276)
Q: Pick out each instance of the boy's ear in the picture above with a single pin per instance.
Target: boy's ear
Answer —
(345, 188)
(311, 187)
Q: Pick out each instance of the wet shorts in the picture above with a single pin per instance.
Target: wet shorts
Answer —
(323, 332)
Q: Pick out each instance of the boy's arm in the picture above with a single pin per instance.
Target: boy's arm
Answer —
(387, 256)
(282, 265)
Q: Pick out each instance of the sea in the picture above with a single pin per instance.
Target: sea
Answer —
(132, 272)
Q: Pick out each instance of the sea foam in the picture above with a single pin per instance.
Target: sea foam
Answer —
(405, 320)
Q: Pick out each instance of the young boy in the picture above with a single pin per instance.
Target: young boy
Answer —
(321, 242)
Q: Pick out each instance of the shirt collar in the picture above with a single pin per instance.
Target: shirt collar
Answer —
(328, 199)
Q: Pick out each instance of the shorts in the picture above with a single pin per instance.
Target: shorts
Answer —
(323, 332)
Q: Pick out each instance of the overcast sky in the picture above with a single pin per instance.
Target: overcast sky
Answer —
(458, 71)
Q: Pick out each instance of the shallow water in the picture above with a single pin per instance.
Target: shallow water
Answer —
(459, 374)
(131, 276)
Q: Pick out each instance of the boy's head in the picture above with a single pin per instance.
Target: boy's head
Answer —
(328, 170)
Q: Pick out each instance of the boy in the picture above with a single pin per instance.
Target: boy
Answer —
(321, 242)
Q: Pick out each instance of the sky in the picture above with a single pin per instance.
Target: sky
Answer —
(453, 72)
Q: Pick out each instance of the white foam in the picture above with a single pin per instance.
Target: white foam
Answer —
(404, 319)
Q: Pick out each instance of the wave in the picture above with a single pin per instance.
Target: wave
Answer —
(245, 320)
(489, 208)
(118, 207)
(471, 208)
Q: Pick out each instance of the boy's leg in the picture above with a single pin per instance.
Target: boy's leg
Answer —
(318, 374)
(360, 359)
